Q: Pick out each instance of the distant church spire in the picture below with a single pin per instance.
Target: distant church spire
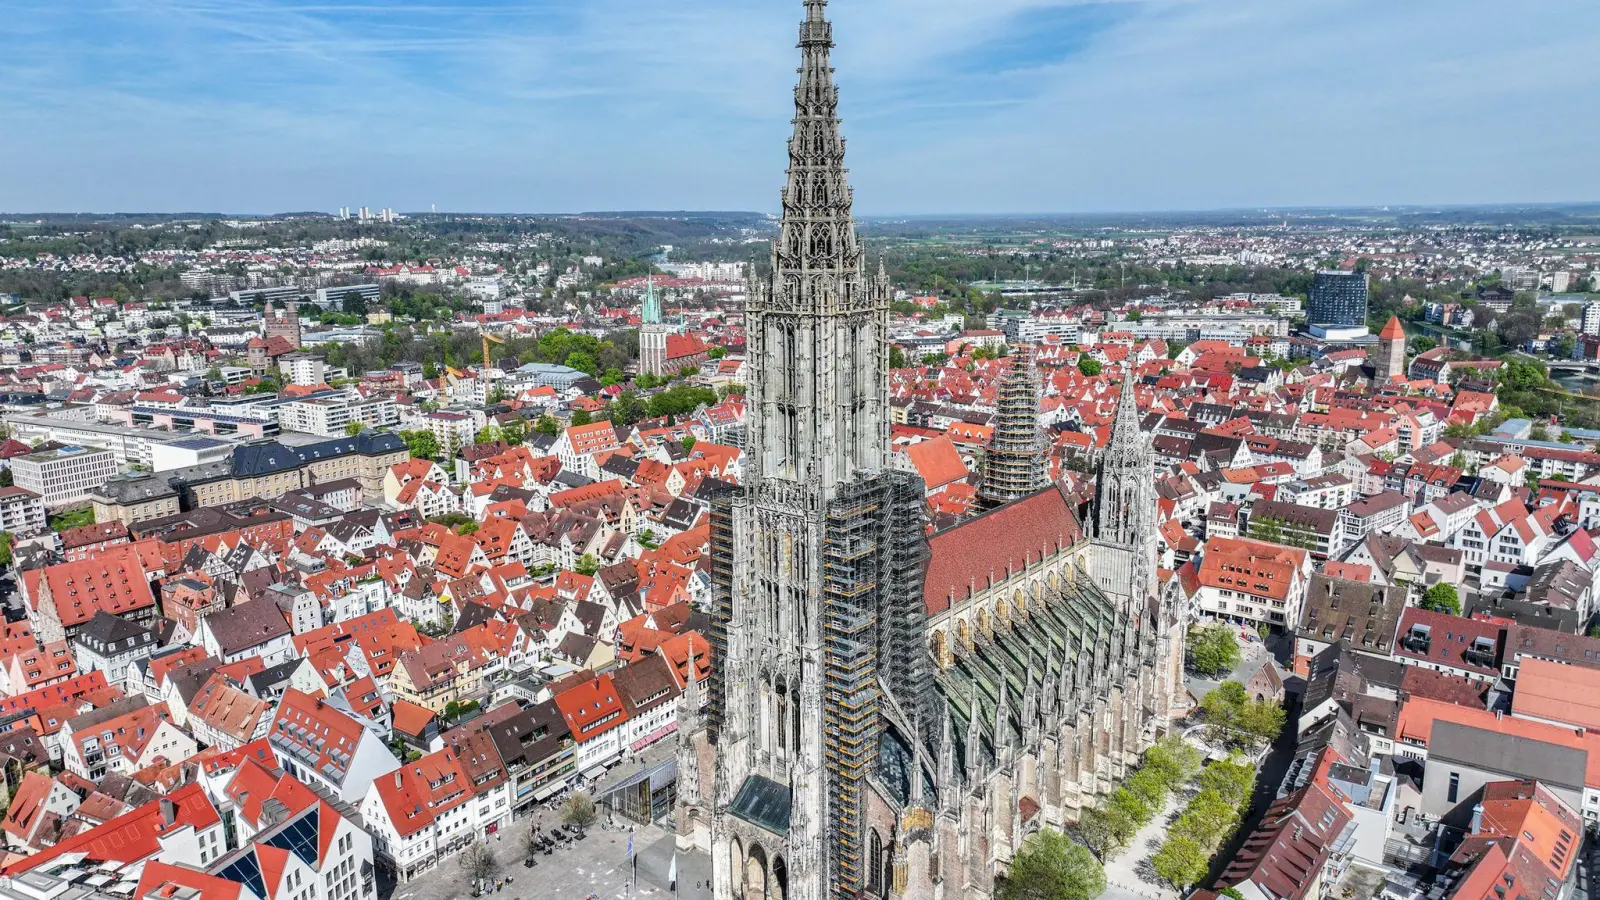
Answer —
(1013, 467)
(1125, 488)
(651, 312)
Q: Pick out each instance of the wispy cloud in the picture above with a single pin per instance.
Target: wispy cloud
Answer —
(1003, 105)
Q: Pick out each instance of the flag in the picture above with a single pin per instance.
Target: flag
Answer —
(672, 874)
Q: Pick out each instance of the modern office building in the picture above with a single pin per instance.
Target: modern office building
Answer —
(63, 477)
(1338, 298)
(334, 297)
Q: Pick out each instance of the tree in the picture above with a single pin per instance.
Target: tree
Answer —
(479, 863)
(1232, 778)
(354, 428)
(1109, 827)
(514, 431)
(587, 565)
(627, 408)
(580, 417)
(1442, 598)
(354, 303)
(1050, 866)
(688, 443)
(579, 811)
(1262, 719)
(421, 443)
(1266, 529)
(6, 539)
(716, 352)
(547, 426)
(1088, 366)
(897, 357)
(488, 434)
(583, 362)
(1181, 862)
(531, 839)
(1422, 344)
(1213, 650)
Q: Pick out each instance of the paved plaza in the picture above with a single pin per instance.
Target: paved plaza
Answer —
(596, 865)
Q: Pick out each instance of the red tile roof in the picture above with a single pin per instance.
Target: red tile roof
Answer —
(1016, 535)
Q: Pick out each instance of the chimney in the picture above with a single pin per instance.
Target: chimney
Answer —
(397, 778)
(1477, 818)
(169, 811)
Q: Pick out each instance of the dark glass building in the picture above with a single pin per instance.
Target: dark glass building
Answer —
(1338, 298)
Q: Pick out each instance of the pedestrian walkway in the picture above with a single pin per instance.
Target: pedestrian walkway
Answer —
(1128, 873)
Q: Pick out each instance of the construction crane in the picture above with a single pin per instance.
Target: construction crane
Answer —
(487, 337)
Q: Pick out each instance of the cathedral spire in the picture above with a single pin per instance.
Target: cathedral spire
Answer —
(1124, 489)
(817, 256)
(1013, 466)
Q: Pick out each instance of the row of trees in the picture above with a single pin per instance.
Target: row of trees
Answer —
(1166, 766)
(1207, 822)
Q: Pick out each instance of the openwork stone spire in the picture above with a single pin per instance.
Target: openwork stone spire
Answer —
(1125, 490)
(817, 258)
(1013, 468)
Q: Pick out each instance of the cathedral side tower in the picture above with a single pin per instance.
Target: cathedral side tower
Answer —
(1013, 467)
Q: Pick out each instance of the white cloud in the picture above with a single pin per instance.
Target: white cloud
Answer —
(262, 105)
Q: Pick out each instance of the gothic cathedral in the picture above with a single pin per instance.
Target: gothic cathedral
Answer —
(890, 713)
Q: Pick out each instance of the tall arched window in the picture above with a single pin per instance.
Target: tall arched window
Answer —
(875, 865)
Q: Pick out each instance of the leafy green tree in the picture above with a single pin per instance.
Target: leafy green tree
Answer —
(1104, 831)
(6, 540)
(627, 408)
(611, 377)
(1266, 529)
(897, 357)
(587, 565)
(1181, 862)
(716, 352)
(935, 359)
(1088, 366)
(1050, 866)
(421, 443)
(680, 400)
(580, 417)
(582, 361)
(547, 425)
(514, 431)
(1262, 719)
(353, 429)
(1213, 650)
(354, 304)
(488, 435)
(688, 443)
(1442, 598)
(1232, 778)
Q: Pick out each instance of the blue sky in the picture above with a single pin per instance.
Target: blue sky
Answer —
(253, 106)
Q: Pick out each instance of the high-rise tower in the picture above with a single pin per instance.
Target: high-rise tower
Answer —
(1013, 467)
(817, 559)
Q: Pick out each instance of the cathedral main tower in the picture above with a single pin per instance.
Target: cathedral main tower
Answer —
(818, 556)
